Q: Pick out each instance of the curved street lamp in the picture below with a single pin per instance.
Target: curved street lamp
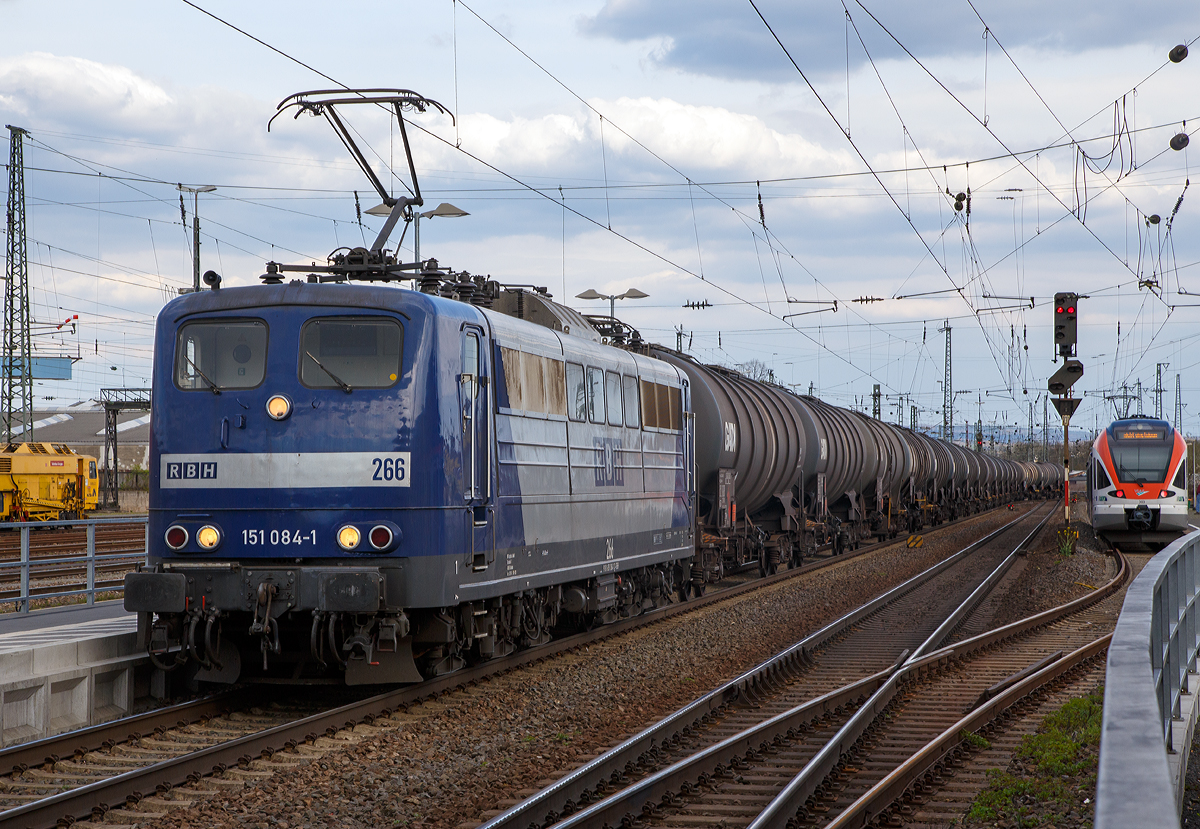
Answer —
(445, 209)
(592, 293)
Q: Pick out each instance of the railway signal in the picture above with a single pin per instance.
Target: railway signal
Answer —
(1066, 331)
(1065, 377)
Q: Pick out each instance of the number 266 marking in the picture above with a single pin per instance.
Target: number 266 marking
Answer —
(388, 469)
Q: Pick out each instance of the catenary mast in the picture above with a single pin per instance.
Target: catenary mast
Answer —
(16, 370)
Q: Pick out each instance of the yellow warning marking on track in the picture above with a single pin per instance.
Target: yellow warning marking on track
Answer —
(915, 541)
(1088, 586)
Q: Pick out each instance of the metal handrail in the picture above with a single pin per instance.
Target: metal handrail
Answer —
(1153, 654)
(25, 563)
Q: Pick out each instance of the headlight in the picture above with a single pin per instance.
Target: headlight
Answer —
(348, 537)
(279, 407)
(208, 537)
(176, 537)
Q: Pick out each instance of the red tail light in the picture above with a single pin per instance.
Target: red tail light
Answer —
(1166, 493)
(380, 537)
(177, 536)
(1120, 493)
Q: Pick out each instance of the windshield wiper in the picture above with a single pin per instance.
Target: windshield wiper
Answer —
(215, 388)
(341, 383)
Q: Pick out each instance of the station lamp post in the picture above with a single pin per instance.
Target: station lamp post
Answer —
(445, 209)
(592, 293)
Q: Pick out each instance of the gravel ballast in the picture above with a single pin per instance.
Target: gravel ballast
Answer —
(446, 762)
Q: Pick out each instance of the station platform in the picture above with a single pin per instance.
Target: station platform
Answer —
(67, 668)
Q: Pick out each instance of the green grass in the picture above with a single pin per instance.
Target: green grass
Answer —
(973, 740)
(1054, 765)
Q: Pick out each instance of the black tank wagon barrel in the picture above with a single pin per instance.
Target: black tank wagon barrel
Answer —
(779, 474)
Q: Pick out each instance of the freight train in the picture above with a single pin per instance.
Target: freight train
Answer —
(376, 484)
(1136, 483)
(365, 483)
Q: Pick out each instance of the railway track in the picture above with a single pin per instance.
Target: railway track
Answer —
(177, 753)
(57, 559)
(793, 743)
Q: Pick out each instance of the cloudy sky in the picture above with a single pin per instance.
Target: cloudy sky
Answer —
(623, 144)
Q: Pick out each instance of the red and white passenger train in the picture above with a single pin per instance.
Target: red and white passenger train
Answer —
(1136, 479)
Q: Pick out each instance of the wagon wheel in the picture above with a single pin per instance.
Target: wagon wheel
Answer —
(683, 583)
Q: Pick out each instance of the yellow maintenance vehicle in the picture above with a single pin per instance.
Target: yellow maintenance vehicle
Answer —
(47, 482)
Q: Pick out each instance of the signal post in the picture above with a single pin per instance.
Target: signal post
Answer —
(1066, 334)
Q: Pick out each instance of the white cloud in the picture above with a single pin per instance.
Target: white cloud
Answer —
(40, 83)
(714, 138)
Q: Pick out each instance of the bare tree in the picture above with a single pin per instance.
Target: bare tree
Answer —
(757, 370)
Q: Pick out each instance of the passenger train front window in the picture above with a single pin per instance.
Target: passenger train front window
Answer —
(350, 353)
(213, 355)
(1142, 463)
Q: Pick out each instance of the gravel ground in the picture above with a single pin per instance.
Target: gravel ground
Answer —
(1048, 579)
(435, 766)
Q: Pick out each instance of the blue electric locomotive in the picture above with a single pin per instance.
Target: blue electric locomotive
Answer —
(387, 483)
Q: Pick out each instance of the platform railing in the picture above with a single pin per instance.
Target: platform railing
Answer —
(1150, 694)
(26, 566)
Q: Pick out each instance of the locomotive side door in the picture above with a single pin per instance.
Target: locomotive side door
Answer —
(475, 402)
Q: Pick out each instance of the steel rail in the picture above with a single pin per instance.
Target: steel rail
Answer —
(80, 802)
(941, 749)
(571, 787)
(20, 757)
(805, 783)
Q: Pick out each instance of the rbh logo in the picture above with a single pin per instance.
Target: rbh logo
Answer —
(609, 471)
(191, 471)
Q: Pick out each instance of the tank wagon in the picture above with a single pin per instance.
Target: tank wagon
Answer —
(361, 483)
(46, 482)
(779, 475)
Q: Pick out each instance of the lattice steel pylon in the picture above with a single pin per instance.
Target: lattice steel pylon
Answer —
(1178, 406)
(948, 392)
(1158, 390)
(16, 361)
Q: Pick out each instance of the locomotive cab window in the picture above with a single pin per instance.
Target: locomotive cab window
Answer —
(612, 383)
(576, 393)
(350, 353)
(595, 394)
(1102, 481)
(221, 354)
(631, 402)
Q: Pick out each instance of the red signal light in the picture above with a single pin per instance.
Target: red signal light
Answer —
(1071, 310)
(1059, 310)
